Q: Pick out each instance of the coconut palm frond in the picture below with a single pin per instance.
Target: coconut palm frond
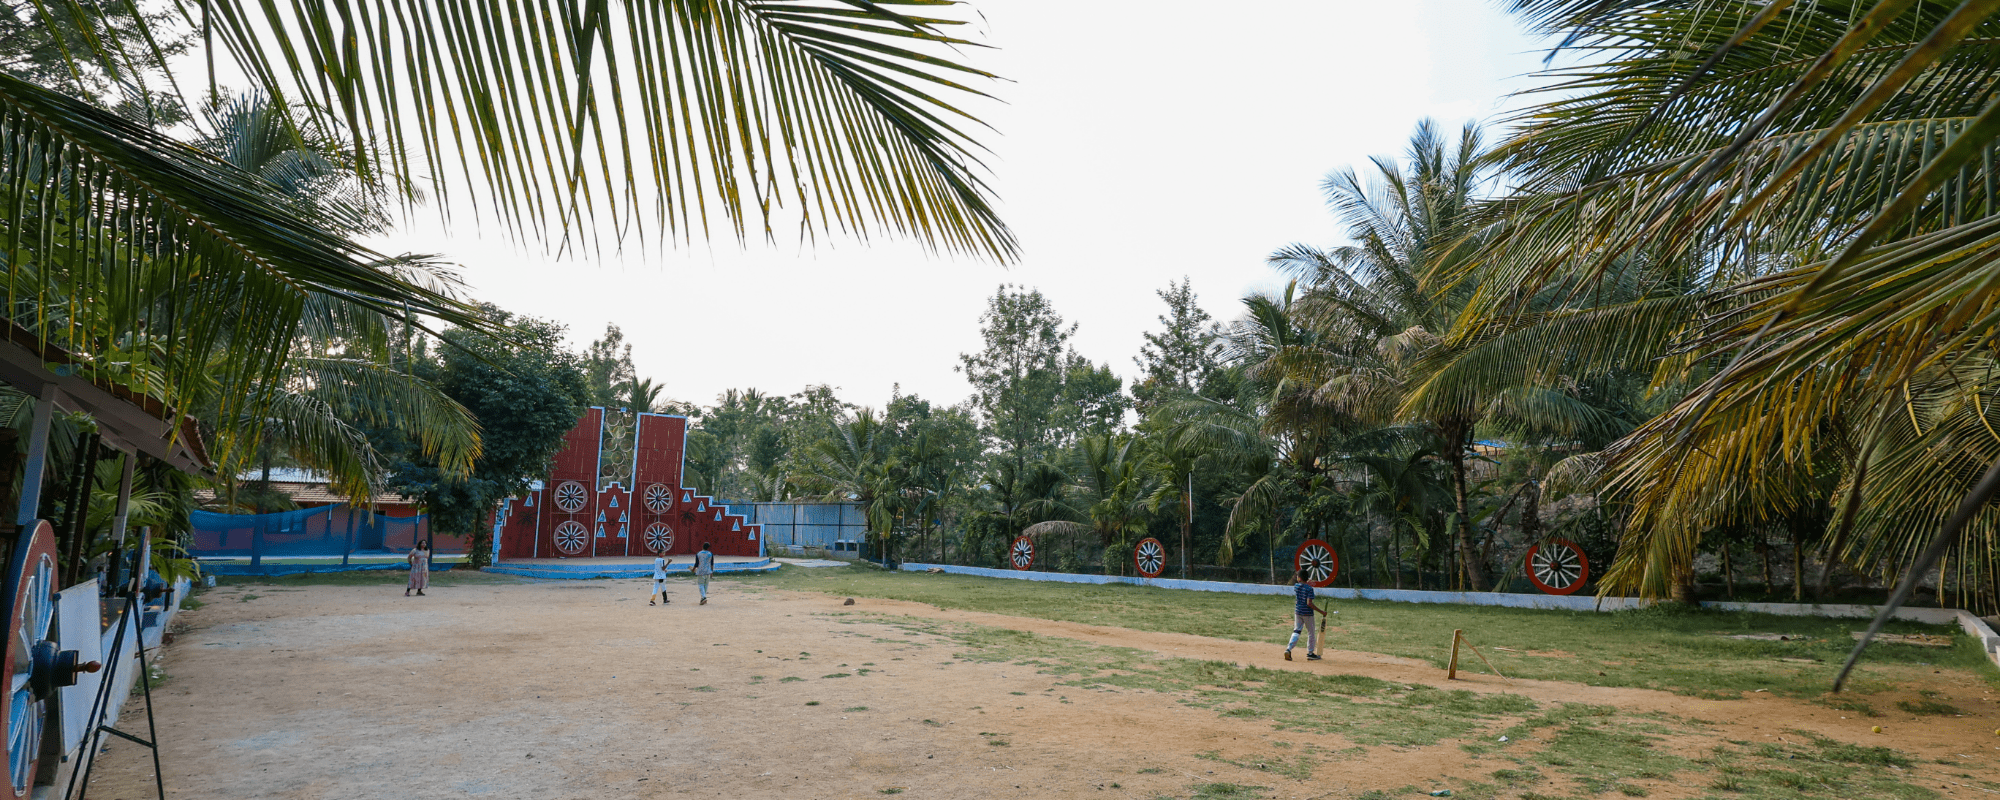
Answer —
(381, 396)
(122, 242)
(673, 116)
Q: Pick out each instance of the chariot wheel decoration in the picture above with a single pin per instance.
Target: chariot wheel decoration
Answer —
(659, 538)
(1318, 561)
(570, 497)
(659, 498)
(30, 584)
(1022, 553)
(1558, 566)
(571, 536)
(1150, 557)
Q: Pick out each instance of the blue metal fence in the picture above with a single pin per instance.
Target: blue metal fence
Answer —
(834, 527)
(308, 540)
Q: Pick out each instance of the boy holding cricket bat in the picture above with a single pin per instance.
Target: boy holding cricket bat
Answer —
(1303, 609)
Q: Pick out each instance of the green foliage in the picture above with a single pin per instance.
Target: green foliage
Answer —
(1183, 357)
(1018, 377)
(526, 394)
(37, 42)
(607, 368)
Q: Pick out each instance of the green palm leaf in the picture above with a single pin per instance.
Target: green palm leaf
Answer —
(677, 115)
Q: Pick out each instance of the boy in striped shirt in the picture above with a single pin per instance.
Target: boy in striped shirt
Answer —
(1303, 608)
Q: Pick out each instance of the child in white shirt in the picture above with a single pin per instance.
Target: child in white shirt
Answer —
(659, 581)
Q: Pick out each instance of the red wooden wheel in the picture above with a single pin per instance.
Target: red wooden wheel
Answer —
(571, 536)
(659, 498)
(570, 496)
(659, 538)
(31, 589)
(1022, 554)
(1318, 561)
(1558, 566)
(1150, 557)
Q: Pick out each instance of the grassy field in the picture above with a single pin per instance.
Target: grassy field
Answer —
(1523, 749)
(1681, 650)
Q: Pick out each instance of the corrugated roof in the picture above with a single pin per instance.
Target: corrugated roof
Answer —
(314, 494)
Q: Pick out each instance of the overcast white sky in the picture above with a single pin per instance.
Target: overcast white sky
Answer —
(1137, 145)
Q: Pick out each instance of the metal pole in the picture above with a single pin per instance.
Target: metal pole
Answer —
(1189, 525)
(38, 456)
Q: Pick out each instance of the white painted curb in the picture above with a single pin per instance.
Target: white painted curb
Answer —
(1988, 640)
(1934, 616)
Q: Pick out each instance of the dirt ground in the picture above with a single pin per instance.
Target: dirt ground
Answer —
(578, 689)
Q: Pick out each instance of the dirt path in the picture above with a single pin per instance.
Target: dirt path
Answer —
(580, 690)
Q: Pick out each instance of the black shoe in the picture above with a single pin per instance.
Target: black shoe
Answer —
(1312, 657)
(420, 593)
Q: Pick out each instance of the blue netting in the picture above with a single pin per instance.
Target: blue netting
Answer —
(316, 534)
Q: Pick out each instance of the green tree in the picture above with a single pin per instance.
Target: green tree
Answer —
(607, 365)
(348, 372)
(1018, 377)
(1838, 315)
(1116, 482)
(37, 40)
(526, 391)
(1181, 358)
(1380, 324)
(1092, 402)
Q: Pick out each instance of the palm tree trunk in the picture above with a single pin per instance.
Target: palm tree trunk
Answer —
(1728, 573)
(1683, 590)
(1460, 441)
(1396, 541)
(1799, 567)
(1764, 552)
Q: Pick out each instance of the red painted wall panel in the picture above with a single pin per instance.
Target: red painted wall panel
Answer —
(687, 519)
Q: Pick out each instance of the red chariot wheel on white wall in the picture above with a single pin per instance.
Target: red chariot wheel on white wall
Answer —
(659, 538)
(1150, 557)
(1318, 561)
(1558, 566)
(570, 497)
(659, 498)
(1022, 554)
(571, 537)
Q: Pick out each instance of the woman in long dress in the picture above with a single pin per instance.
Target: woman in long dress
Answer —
(420, 570)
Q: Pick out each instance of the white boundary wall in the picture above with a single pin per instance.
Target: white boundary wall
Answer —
(1972, 625)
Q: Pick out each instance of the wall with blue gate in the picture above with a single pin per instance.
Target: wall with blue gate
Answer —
(312, 539)
(833, 527)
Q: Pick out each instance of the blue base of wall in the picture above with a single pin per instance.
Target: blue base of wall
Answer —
(584, 570)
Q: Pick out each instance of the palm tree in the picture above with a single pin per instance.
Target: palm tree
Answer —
(845, 115)
(1115, 477)
(854, 465)
(642, 395)
(1396, 483)
(346, 369)
(1378, 322)
(1833, 162)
